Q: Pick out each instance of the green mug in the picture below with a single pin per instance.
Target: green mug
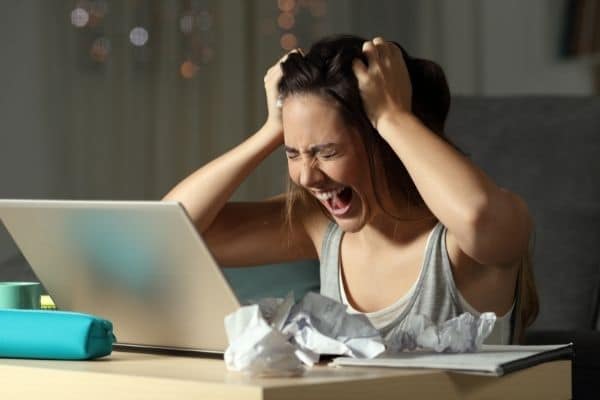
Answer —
(20, 295)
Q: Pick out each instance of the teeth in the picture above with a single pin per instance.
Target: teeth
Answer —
(327, 195)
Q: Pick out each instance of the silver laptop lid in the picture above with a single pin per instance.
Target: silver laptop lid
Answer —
(141, 265)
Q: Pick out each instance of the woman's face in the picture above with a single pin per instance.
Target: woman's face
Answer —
(328, 159)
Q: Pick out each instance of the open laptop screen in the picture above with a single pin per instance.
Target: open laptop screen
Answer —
(140, 264)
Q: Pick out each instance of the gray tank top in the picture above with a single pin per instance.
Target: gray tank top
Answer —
(435, 294)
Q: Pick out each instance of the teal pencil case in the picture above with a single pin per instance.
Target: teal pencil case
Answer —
(58, 335)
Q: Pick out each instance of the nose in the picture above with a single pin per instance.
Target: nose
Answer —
(310, 174)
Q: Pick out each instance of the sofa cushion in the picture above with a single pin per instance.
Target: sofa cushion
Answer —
(547, 150)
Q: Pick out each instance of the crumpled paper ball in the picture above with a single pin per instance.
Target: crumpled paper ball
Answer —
(461, 334)
(279, 338)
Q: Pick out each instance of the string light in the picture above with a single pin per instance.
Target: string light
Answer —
(79, 17)
(286, 20)
(186, 24)
(195, 22)
(292, 11)
(188, 69)
(138, 36)
(286, 5)
(100, 49)
(288, 41)
(98, 8)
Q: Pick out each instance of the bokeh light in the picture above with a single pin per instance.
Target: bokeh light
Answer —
(286, 5)
(100, 49)
(188, 69)
(138, 36)
(286, 20)
(79, 17)
(288, 41)
(98, 8)
(186, 24)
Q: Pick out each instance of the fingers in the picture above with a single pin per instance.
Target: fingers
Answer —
(296, 50)
(377, 49)
(276, 68)
(360, 69)
(382, 47)
(370, 51)
(379, 55)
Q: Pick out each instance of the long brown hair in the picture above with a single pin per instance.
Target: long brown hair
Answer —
(326, 71)
(527, 304)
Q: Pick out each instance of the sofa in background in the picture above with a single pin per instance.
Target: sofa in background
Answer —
(547, 149)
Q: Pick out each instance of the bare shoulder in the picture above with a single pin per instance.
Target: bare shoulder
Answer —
(258, 233)
(485, 287)
(313, 220)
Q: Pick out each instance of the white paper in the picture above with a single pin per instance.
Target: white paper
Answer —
(256, 348)
(464, 333)
(278, 337)
(489, 359)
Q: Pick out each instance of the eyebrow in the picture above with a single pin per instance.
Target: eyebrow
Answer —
(313, 148)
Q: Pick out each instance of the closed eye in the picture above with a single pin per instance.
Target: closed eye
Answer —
(328, 155)
(291, 154)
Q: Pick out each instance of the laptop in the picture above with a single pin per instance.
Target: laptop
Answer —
(140, 264)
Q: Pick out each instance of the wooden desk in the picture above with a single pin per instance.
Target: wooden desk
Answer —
(126, 375)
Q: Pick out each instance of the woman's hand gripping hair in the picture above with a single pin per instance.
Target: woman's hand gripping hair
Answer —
(385, 84)
(274, 102)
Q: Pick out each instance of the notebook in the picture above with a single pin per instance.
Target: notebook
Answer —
(494, 360)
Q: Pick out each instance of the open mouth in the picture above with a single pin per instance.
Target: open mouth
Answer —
(336, 201)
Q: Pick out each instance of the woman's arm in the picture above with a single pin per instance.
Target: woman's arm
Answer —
(245, 233)
(205, 192)
(242, 233)
(490, 224)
